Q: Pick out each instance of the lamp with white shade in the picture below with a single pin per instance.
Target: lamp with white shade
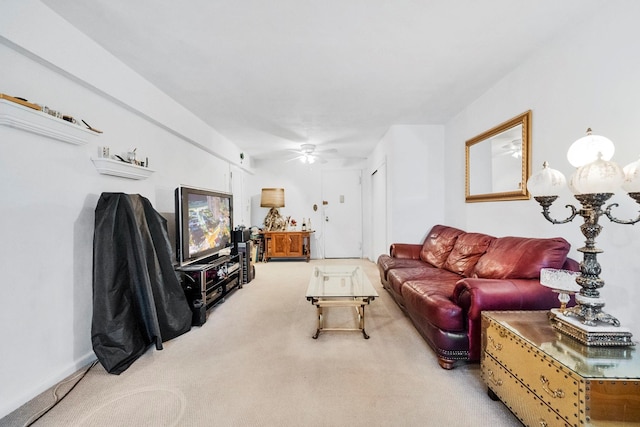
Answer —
(595, 180)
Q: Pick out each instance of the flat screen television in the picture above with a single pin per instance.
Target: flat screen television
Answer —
(204, 224)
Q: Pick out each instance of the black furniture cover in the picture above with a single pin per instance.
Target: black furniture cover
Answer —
(137, 298)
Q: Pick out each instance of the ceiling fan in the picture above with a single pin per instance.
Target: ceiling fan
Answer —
(513, 149)
(308, 154)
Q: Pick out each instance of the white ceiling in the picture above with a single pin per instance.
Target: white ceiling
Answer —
(271, 75)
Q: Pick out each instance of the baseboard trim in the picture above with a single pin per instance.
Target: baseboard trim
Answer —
(11, 404)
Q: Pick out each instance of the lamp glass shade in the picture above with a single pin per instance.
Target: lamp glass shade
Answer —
(600, 176)
(572, 183)
(586, 149)
(546, 182)
(272, 198)
(561, 280)
(631, 182)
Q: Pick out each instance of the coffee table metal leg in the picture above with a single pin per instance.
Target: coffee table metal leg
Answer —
(320, 322)
(359, 308)
(361, 314)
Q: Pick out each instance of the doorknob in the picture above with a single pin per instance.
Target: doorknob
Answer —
(326, 218)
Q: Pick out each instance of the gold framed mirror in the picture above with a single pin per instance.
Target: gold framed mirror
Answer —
(498, 162)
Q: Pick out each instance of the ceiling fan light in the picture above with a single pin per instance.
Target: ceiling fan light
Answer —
(307, 148)
(307, 158)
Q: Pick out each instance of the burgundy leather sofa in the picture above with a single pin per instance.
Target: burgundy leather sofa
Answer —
(445, 283)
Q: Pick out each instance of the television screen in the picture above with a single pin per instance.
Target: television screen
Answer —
(204, 223)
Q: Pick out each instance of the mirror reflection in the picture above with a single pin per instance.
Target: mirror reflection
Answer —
(497, 162)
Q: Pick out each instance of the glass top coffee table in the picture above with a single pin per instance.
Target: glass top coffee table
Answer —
(340, 286)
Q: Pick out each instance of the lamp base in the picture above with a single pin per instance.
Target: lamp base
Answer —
(602, 336)
(274, 221)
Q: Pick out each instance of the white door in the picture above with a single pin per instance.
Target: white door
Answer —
(342, 213)
(379, 212)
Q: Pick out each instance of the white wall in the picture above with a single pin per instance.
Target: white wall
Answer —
(588, 77)
(50, 188)
(303, 189)
(414, 157)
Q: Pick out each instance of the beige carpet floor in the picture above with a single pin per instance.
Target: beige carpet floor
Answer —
(254, 363)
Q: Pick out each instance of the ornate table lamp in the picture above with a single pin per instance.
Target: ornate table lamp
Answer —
(593, 183)
(273, 198)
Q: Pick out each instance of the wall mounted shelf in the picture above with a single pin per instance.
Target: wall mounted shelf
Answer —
(118, 168)
(30, 120)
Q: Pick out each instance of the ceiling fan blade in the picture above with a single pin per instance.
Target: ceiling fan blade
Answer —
(327, 151)
(293, 158)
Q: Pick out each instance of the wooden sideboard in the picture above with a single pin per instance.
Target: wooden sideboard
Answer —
(287, 244)
(549, 379)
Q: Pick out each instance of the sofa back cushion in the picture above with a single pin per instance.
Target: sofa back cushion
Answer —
(438, 244)
(469, 247)
(521, 257)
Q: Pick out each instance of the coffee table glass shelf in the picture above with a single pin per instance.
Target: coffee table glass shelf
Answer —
(340, 286)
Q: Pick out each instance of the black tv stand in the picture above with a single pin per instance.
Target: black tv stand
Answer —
(209, 282)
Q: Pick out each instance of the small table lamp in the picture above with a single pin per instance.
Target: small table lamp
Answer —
(273, 198)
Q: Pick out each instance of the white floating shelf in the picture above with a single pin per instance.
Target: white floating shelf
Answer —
(30, 120)
(118, 168)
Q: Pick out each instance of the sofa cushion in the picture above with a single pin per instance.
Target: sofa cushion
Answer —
(438, 244)
(469, 247)
(398, 276)
(520, 257)
(387, 263)
(432, 301)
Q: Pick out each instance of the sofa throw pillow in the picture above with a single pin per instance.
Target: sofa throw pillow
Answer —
(438, 244)
(521, 258)
(469, 247)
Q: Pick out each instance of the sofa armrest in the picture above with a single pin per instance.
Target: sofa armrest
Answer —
(405, 250)
(475, 295)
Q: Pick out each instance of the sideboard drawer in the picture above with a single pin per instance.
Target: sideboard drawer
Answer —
(521, 401)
